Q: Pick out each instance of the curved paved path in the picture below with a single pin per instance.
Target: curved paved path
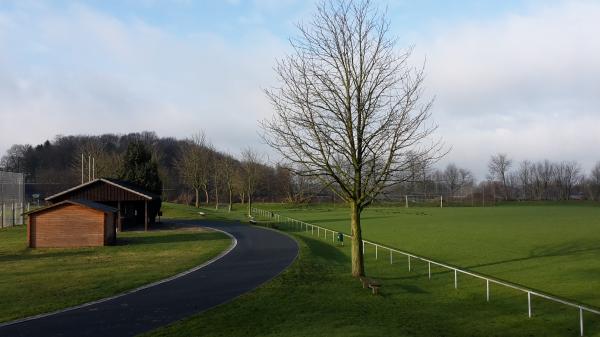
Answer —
(260, 255)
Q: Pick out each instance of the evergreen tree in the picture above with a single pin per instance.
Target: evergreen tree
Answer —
(140, 168)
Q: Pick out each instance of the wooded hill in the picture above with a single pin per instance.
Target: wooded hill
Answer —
(183, 164)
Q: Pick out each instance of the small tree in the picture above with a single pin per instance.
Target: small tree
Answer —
(192, 164)
(251, 163)
(140, 168)
(498, 167)
(227, 167)
(348, 110)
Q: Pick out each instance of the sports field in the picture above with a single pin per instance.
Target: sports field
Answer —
(552, 248)
(317, 295)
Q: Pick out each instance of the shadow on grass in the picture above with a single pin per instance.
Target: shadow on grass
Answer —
(325, 250)
(158, 237)
(413, 289)
(30, 254)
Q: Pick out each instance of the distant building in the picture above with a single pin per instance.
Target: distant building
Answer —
(134, 205)
(72, 223)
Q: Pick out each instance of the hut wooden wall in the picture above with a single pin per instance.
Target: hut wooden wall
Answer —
(67, 226)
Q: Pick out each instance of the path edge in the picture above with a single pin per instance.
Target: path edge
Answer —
(140, 288)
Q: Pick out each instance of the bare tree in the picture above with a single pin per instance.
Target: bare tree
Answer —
(566, 175)
(349, 108)
(106, 164)
(216, 173)
(525, 177)
(593, 183)
(251, 163)
(451, 176)
(14, 158)
(542, 179)
(227, 167)
(498, 168)
(192, 164)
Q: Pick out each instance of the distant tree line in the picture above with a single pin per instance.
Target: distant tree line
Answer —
(543, 180)
(193, 171)
(188, 170)
(506, 180)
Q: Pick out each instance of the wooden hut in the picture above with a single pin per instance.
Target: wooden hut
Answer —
(135, 206)
(72, 223)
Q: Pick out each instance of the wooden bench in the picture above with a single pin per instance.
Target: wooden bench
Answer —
(374, 285)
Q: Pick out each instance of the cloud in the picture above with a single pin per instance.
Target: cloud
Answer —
(81, 71)
(524, 84)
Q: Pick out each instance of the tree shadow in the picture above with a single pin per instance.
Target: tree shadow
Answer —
(31, 254)
(159, 238)
(325, 250)
(566, 249)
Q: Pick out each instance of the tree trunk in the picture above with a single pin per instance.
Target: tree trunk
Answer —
(206, 195)
(216, 198)
(197, 197)
(230, 199)
(249, 206)
(358, 266)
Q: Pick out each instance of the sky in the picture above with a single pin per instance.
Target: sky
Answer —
(515, 77)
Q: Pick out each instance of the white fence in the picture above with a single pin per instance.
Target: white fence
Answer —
(529, 292)
(11, 214)
(12, 192)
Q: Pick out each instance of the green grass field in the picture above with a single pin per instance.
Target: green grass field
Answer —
(34, 281)
(317, 296)
(552, 248)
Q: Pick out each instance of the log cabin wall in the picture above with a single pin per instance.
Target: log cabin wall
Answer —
(67, 226)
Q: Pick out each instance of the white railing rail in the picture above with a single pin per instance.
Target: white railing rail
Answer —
(530, 292)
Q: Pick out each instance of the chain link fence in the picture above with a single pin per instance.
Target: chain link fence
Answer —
(12, 192)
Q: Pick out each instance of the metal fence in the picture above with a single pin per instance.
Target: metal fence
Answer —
(12, 190)
(301, 225)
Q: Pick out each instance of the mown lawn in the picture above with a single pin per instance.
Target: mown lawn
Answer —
(317, 296)
(34, 281)
(553, 248)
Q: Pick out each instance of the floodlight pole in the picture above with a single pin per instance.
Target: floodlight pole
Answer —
(82, 168)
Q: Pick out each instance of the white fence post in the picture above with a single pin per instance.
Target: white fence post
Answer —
(429, 269)
(391, 257)
(376, 252)
(455, 279)
(581, 321)
(529, 304)
(487, 290)
(408, 262)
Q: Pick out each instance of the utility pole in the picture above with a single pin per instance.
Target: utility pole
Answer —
(82, 168)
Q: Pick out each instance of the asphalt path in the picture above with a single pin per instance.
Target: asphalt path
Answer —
(260, 255)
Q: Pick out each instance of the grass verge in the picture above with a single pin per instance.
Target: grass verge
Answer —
(317, 296)
(34, 281)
